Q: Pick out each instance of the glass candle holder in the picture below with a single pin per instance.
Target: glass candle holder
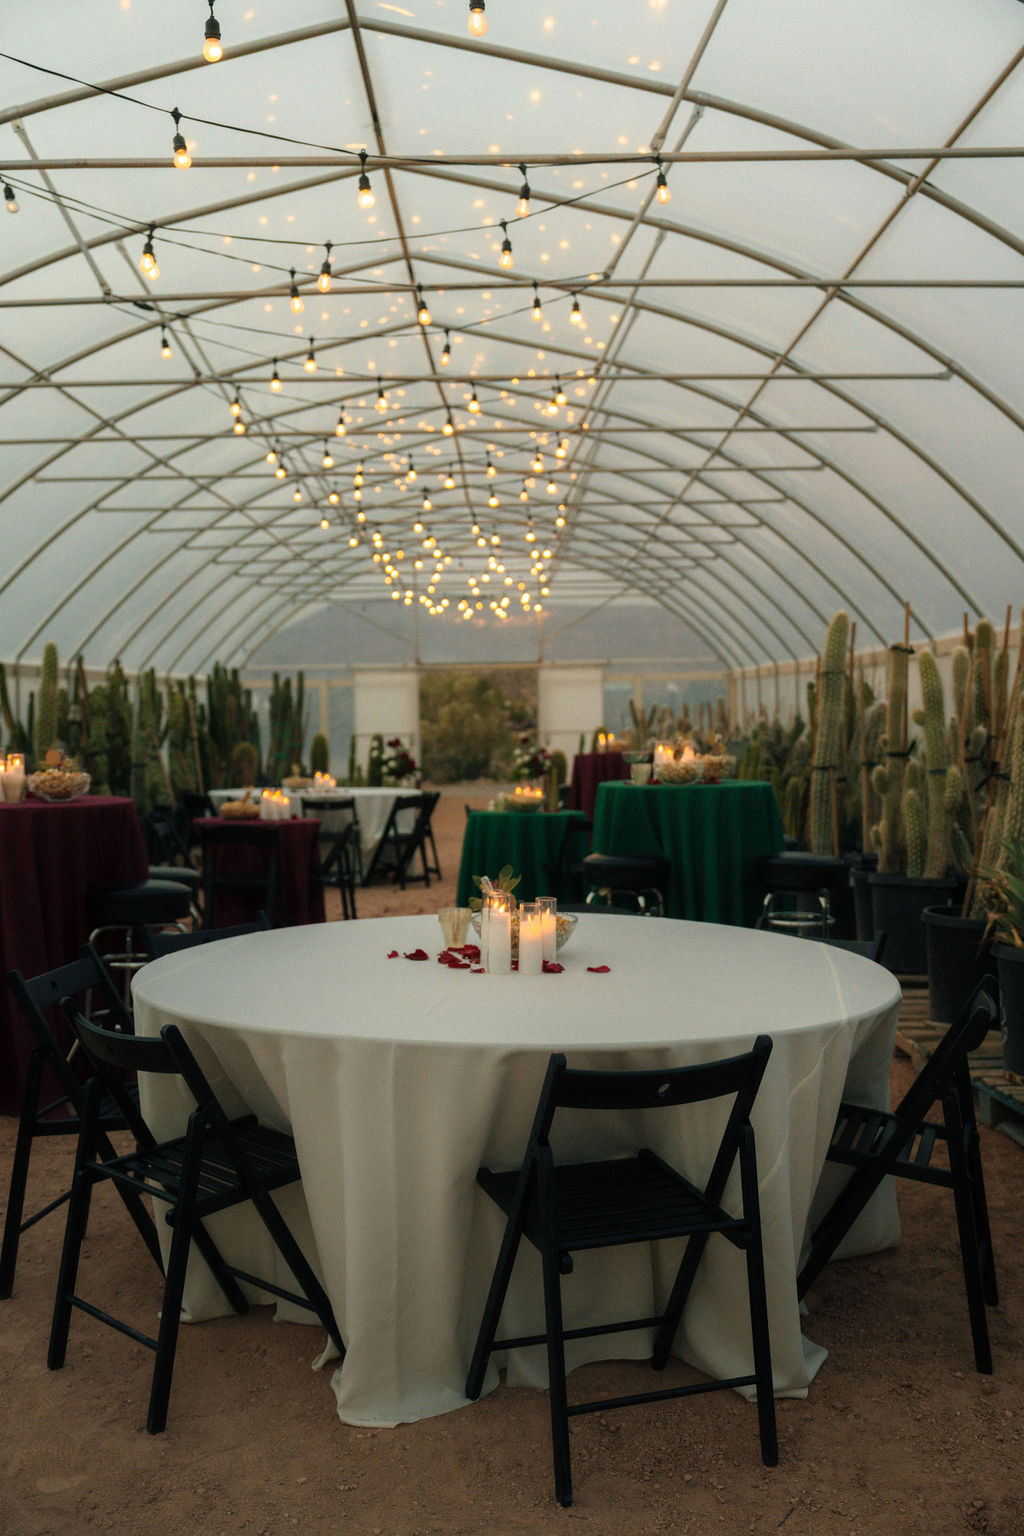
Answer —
(548, 908)
(496, 923)
(531, 939)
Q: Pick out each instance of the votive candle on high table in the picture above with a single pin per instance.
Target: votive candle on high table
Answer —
(499, 935)
(548, 906)
(531, 939)
(14, 777)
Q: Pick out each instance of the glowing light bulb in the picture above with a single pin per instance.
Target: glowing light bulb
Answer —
(182, 158)
(446, 355)
(576, 316)
(327, 461)
(357, 478)
(560, 395)
(523, 205)
(323, 281)
(310, 363)
(477, 18)
(663, 194)
(364, 192)
(325, 522)
(10, 199)
(271, 456)
(474, 404)
(295, 297)
(275, 382)
(213, 50)
(240, 427)
(423, 313)
(448, 428)
(165, 351)
(537, 312)
(297, 494)
(280, 472)
(505, 258)
(339, 430)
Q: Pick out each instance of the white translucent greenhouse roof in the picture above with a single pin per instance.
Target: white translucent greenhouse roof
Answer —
(797, 384)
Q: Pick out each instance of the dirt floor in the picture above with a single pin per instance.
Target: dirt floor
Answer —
(899, 1435)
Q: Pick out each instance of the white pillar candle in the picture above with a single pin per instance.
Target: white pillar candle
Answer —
(499, 939)
(548, 925)
(531, 939)
(266, 806)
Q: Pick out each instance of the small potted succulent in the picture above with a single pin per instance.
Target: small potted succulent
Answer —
(1004, 897)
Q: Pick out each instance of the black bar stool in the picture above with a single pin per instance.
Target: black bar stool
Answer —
(609, 875)
(801, 892)
(122, 909)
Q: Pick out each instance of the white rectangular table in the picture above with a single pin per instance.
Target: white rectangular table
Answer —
(399, 1078)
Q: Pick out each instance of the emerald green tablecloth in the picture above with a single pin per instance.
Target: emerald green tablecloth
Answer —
(711, 834)
(528, 840)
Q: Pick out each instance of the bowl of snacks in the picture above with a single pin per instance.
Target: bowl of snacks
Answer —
(682, 770)
(58, 784)
(565, 922)
(718, 766)
(245, 809)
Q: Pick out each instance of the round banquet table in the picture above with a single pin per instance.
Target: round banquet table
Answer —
(711, 834)
(51, 854)
(398, 1079)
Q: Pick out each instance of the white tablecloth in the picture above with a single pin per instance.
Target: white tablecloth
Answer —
(399, 1079)
(373, 807)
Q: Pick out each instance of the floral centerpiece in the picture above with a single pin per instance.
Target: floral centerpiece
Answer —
(398, 766)
(531, 761)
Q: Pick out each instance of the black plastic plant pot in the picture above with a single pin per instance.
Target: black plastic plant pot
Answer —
(1010, 970)
(897, 903)
(958, 956)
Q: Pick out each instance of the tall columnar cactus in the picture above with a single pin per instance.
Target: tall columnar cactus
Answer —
(18, 736)
(46, 707)
(150, 783)
(319, 754)
(829, 734)
(944, 784)
(375, 762)
(245, 764)
(888, 834)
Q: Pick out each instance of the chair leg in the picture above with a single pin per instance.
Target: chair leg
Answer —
(74, 1234)
(556, 1377)
(677, 1299)
(170, 1313)
(967, 1228)
(19, 1175)
(759, 1333)
(300, 1268)
(492, 1309)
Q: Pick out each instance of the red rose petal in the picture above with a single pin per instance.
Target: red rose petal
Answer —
(392, 954)
(552, 968)
(417, 954)
(601, 968)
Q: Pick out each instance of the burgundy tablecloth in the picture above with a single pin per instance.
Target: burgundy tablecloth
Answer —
(301, 898)
(50, 854)
(589, 769)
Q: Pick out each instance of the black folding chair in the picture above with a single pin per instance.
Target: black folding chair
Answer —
(877, 1144)
(400, 842)
(217, 1164)
(240, 865)
(160, 941)
(564, 1208)
(37, 1000)
(341, 859)
(428, 805)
